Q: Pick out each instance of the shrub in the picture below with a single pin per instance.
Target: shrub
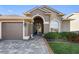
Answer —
(70, 36)
(52, 35)
(77, 39)
(64, 35)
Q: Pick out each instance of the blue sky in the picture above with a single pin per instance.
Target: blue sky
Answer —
(20, 9)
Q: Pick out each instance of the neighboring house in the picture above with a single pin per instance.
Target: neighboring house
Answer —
(74, 23)
(41, 19)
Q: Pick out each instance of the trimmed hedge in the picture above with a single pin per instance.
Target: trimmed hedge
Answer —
(52, 35)
(70, 36)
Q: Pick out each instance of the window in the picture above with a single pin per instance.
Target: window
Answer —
(54, 25)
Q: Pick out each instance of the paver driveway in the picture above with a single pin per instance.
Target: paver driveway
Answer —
(33, 46)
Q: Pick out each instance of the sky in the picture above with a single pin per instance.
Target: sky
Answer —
(20, 9)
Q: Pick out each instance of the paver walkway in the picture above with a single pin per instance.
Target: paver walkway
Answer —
(33, 46)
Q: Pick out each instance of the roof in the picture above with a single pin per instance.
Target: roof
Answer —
(74, 16)
(13, 17)
(66, 17)
(45, 8)
(71, 16)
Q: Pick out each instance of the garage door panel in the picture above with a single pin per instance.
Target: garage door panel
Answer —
(12, 30)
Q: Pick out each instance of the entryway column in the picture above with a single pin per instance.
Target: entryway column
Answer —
(27, 28)
(46, 27)
(25, 31)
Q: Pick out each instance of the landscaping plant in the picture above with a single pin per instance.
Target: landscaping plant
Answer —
(69, 36)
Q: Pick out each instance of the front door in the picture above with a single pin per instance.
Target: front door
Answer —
(38, 26)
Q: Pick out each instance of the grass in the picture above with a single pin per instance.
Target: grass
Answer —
(64, 47)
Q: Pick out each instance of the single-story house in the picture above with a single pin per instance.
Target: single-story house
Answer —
(41, 19)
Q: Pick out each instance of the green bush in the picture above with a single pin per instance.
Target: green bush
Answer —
(70, 36)
(64, 35)
(52, 35)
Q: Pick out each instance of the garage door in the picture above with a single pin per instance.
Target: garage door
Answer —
(12, 31)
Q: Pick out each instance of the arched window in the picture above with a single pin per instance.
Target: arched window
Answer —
(54, 25)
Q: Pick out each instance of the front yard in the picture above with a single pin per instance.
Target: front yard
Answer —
(63, 43)
(64, 47)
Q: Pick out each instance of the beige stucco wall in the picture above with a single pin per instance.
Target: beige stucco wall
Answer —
(46, 19)
(41, 13)
(26, 29)
(30, 29)
(65, 26)
(46, 28)
(55, 17)
(74, 24)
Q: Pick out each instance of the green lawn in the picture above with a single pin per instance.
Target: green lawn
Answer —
(64, 47)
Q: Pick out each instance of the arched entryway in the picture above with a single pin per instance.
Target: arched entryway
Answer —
(38, 27)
